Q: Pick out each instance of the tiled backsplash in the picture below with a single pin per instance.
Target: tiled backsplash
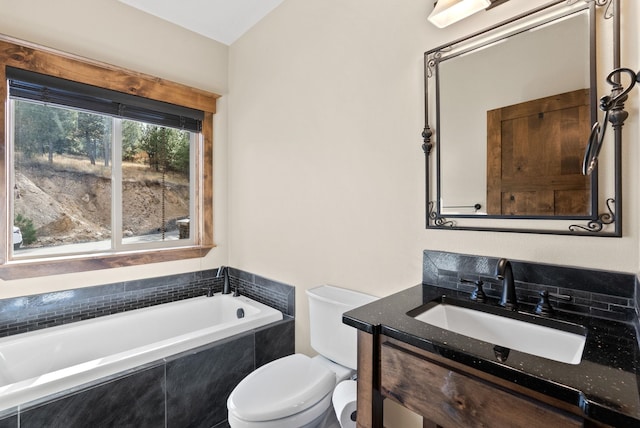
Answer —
(22, 314)
(264, 290)
(599, 293)
(638, 298)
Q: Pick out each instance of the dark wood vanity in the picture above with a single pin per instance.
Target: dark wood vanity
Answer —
(448, 394)
(455, 381)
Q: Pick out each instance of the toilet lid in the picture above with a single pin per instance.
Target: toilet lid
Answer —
(281, 388)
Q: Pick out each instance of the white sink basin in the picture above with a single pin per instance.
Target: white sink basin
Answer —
(523, 336)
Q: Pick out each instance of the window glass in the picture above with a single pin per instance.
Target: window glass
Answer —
(86, 182)
(155, 183)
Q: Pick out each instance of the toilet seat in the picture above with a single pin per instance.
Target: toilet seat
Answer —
(282, 388)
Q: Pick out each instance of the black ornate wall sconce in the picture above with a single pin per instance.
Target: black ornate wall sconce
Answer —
(613, 107)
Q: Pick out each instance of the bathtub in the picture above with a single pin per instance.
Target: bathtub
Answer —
(38, 364)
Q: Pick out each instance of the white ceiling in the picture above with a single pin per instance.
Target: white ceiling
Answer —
(221, 20)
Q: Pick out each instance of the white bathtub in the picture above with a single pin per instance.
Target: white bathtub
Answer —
(40, 363)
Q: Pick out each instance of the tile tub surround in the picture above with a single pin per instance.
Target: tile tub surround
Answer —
(269, 292)
(600, 293)
(188, 389)
(22, 314)
(10, 422)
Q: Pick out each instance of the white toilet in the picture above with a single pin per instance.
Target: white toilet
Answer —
(295, 391)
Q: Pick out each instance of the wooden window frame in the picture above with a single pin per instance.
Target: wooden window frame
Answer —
(47, 61)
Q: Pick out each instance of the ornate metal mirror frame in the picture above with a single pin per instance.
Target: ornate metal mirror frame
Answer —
(605, 204)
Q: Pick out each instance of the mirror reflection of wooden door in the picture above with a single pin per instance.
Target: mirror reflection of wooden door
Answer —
(534, 157)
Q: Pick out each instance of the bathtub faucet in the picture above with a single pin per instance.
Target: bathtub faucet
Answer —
(223, 272)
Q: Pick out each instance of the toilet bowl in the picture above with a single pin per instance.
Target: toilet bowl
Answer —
(295, 391)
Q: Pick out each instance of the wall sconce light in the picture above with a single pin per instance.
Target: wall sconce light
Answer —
(613, 107)
(446, 12)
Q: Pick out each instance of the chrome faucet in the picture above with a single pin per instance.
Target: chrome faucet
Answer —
(223, 272)
(504, 272)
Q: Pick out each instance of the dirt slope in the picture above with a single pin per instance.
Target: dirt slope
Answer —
(70, 206)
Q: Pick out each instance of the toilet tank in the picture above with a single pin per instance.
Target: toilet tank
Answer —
(329, 336)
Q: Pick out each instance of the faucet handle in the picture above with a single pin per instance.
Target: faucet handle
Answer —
(209, 290)
(478, 294)
(544, 308)
(565, 297)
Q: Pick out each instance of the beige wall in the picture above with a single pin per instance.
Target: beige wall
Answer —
(326, 172)
(111, 32)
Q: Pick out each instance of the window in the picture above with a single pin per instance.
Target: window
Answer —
(88, 179)
(101, 176)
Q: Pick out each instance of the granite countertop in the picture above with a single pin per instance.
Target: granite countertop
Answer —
(605, 384)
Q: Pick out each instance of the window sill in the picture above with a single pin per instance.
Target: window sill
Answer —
(33, 269)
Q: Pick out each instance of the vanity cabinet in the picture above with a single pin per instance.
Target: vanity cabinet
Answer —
(446, 393)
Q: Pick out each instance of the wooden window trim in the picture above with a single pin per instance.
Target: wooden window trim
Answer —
(47, 61)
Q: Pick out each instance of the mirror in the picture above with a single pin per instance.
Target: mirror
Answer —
(508, 114)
